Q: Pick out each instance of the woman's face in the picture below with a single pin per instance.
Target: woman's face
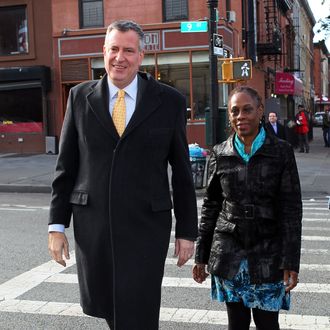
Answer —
(244, 115)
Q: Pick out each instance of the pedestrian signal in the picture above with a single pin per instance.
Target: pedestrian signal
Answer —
(242, 69)
(232, 70)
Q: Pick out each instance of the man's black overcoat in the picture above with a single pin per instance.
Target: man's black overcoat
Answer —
(117, 190)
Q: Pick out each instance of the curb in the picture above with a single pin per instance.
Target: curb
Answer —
(10, 188)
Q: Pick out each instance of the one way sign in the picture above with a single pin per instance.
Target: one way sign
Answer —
(218, 44)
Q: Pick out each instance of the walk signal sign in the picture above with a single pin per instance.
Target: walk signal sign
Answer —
(235, 69)
(242, 69)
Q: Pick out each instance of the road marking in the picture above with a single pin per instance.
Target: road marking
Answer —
(13, 209)
(314, 251)
(303, 237)
(303, 250)
(315, 219)
(316, 228)
(181, 282)
(26, 281)
(316, 267)
(177, 315)
(315, 238)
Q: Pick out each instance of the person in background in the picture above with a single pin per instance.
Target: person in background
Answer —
(119, 136)
(302, 129)
(326, 127)
(273, 126)
(250, 230)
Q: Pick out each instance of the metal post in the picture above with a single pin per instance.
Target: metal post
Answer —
(213, 5)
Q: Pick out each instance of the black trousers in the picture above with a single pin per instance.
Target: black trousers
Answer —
(239, 317)
(303, 142)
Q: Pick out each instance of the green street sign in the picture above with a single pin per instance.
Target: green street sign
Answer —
(242, 69)
(199, 26)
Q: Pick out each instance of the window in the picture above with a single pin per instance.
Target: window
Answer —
(175, 10)
(21, 110)
(13, 30)
(91, 13)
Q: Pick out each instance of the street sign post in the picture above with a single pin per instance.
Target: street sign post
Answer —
(198, 26)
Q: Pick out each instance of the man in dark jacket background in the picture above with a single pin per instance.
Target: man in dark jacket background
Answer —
(273, 126)
(113, 179)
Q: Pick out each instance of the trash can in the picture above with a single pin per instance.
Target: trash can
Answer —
(198, 163)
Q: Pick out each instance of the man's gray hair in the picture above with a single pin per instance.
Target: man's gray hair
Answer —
(124, 26)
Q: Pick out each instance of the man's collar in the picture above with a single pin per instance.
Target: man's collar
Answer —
(130, 89)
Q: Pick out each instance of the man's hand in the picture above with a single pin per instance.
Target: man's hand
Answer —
(184, 250)
(290, 279)
(199, 273)
(58, 247)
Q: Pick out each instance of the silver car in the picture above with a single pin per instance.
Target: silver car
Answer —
(318, 118)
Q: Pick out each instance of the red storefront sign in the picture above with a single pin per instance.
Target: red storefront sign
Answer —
(287, 83)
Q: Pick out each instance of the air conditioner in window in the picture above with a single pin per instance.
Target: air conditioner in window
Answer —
(231, 16)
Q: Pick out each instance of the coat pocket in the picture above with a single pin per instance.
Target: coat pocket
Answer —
(79, 197)
(161, 204)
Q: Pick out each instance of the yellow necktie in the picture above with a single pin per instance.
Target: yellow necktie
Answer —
(119, 112)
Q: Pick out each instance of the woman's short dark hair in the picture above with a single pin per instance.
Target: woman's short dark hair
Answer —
(248, 90)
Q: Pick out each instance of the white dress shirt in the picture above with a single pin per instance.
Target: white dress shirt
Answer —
(275, 127)
(130, 101)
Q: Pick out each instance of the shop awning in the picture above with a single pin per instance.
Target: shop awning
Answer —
(287, 83)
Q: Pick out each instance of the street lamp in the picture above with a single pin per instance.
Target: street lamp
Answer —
(213, 5)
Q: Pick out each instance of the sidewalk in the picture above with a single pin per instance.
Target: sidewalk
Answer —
(34, 173)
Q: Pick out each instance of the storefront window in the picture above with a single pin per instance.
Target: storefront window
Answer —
(13, 30)
(201, 84)
(21, 111)
(173, 70)
(148, 64)
(98, 70)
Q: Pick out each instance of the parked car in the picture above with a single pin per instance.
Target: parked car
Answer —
(318, 118)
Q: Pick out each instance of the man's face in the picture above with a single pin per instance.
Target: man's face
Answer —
(272, 117)
(244, 114)
(122, 57)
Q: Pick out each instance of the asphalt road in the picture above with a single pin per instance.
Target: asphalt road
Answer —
(36, 294)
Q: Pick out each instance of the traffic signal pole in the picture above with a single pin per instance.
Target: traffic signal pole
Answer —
(213, 5)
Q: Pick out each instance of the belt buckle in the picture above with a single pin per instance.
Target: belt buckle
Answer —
(249, 211)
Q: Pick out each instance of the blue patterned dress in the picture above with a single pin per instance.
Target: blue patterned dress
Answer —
(266, 296)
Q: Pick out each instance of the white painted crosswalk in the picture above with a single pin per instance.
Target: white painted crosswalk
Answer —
(52, 273)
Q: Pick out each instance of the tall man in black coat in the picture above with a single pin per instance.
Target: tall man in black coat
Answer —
(273, 126)
(116, 187)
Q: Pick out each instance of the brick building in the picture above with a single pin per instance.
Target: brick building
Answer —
(26, 99)
(264, 31)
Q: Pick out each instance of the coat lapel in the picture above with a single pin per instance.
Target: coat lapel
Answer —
(98, 100)
(148, 100)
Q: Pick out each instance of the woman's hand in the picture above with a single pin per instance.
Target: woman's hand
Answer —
(290, 279)
(199, 273)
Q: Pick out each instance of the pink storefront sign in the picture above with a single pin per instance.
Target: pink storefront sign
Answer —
(287, 83)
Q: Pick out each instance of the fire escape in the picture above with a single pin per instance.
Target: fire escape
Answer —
(269, 38)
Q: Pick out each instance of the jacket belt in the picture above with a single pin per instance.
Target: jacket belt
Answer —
(248, 211)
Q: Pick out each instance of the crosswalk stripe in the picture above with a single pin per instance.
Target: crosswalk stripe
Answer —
(303, 237)
(303, 250)
(30, 279)
(316, 267)
(178, 315)
(181, 282)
